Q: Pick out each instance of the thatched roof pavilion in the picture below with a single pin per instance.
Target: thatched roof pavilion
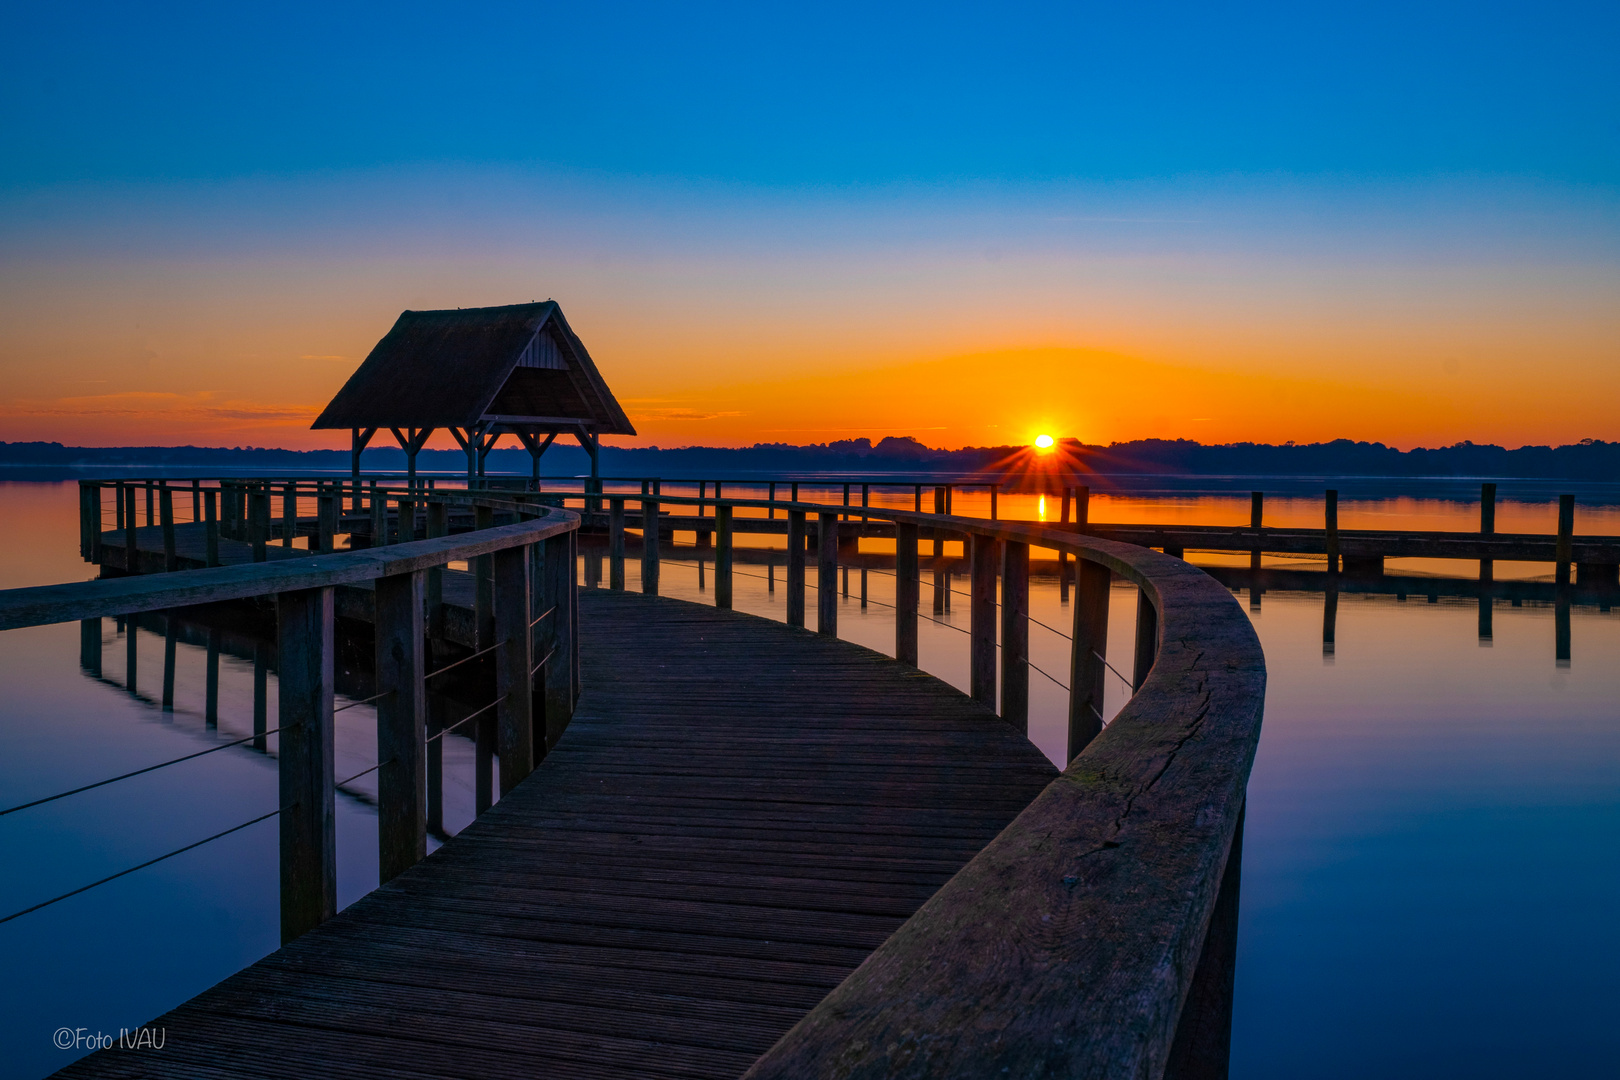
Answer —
(479, 373)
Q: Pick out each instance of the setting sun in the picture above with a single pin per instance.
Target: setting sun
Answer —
(1043, 442)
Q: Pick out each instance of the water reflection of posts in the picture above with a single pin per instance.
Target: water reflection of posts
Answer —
(1330, 615)
(170, 628)
(1087, 657)
(130, 653)
(1487, 526)
(1561, 628)
(261, 691)
(211, 687)
(1485, 611)
(90, 646)
(1014, 634)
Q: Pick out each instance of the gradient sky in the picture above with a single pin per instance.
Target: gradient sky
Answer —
(968, 224)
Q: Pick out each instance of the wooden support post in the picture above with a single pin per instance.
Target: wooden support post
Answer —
(827, 574)
(171, 558)
(327, 504)
(513, 716)
(1202, 1046)
(771, 497)
(171, 629)
(994, 491)
(916, 499)
(616, 544)
(1147, 639)
(866, 501)
(379, 516)
(649, 546)
(1331, 523)
(438, 525)
(211, 690)
(906, 588)
(795, 567)
(939, 543)
(555, 638)
(1487, 527)
(1563, 549)
(1257, 503)
(211, 527)
(722, 555)
(1082, 510)
(1015, 634)
(483, 583)
(308, 822)
(573, 621)
(407, 521)
(483, 732)
(401, 724)
(984, 554)
(132, 555)
(118, 506)
(259, 521)
(1087, 668)
(84, 520)
(289, 513)
(151, 516)
(196, 500)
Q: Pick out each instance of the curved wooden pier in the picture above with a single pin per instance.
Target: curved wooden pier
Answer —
(738, 815)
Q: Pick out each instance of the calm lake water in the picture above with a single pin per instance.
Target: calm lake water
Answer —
(1429, 873)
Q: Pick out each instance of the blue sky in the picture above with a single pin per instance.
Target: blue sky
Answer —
(1394, 222)
(801, 95)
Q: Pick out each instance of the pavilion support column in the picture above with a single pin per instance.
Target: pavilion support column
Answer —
(359, 437)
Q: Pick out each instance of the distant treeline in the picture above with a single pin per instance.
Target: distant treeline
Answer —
(1589, 459)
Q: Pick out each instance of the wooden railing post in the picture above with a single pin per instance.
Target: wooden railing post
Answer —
(211, 527)
(1086, 663)
(1015, 634)
(1257, 506)
(196, 500)
(722, 554)
(555, 638)
(95, 523)
(514, 718)
(1147, 639)
(827, 574)
(259, 521)
(132, 563)
(289, 513)
(649, 546)
(795, 568)
(379, 517)
(982, 556)
(1563, 547)
(308, 824)
(328, 504)
(616, 544)
(1487, 526)
(483, 581)
(1202, 1046)
(171, 558)
(118, 505)
(1331, 525)
(401, 724)
(438, 524)
(906, 588)
(84, 520)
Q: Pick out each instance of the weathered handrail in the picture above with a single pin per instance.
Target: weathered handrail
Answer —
(528, 566)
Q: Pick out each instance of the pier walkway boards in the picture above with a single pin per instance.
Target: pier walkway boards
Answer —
(739, 813)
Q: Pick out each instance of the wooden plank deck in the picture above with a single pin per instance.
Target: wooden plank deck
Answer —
(738, 815)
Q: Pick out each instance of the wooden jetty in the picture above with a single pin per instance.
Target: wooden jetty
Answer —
(722, 846)
(739, 813)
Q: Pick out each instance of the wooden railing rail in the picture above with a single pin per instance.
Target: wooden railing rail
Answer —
(532, 611)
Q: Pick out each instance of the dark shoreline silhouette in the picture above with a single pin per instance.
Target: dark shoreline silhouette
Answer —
(1587, 460)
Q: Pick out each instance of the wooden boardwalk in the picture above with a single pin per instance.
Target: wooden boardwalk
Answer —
(738, 815)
